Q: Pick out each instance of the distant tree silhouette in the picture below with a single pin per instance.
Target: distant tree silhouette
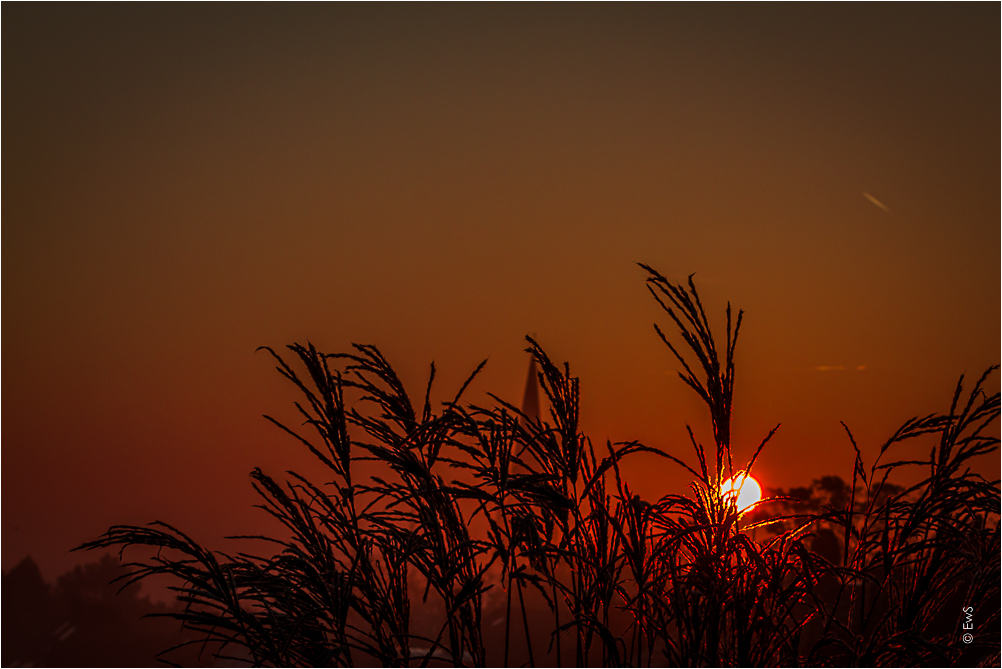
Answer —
(84, 620)
(825, 494)
(30, 616)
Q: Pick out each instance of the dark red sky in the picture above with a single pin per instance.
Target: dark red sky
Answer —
(184, 183)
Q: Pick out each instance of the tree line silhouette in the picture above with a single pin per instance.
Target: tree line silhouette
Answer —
(85, 620)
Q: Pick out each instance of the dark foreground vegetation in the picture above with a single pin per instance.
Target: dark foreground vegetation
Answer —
(492, 537)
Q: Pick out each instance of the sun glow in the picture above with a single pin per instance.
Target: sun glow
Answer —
(746, 488)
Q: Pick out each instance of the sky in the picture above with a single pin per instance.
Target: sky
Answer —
(186, 183)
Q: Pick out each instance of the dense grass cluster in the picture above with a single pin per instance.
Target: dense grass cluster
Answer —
(486, 520)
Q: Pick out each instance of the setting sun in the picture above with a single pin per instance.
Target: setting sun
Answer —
(745, 487)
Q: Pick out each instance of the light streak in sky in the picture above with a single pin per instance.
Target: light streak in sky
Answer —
(876, 201)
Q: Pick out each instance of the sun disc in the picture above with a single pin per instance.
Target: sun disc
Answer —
(746, 488)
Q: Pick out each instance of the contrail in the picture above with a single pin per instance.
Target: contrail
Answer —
(876, 201)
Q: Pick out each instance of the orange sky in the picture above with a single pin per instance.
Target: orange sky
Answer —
(186, 183)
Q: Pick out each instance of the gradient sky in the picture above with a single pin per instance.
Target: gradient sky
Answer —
(185, 183)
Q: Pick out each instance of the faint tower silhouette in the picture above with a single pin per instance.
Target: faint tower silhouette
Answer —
(530, 399)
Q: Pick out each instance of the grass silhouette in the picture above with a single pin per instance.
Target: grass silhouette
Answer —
(473, 499)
